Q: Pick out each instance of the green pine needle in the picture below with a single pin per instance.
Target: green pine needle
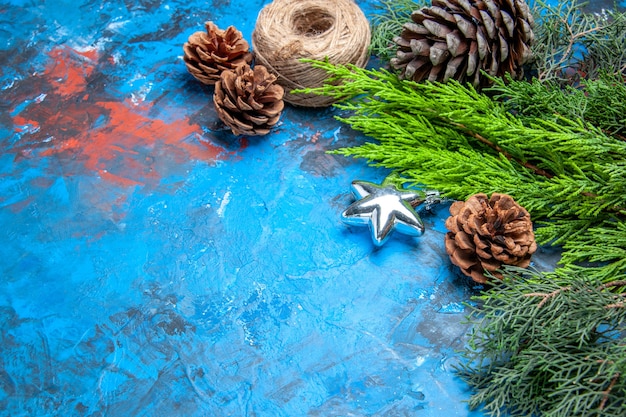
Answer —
(567, 172)
(551, 343)
(387, 23)
(601, 102)
(570, 44)
(539, 348)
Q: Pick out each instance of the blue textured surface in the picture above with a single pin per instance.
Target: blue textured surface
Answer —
(154, 265)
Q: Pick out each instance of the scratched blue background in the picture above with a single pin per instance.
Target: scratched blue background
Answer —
(154, 265)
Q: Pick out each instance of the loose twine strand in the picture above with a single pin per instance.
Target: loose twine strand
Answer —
(289, 30)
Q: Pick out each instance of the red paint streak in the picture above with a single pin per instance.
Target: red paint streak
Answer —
(126, 122)
(119, 141)
(69, 69)
(125, 182)
(21, 124)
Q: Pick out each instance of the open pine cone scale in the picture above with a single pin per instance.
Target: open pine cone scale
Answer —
(486, 233)
(248, 100)
(455, 39)
(207, 54)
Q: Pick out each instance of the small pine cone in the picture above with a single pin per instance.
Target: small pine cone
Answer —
(248, 100)
(485, 233)
(207, 54)
(455, 39)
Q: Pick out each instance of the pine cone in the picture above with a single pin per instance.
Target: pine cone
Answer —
(486, 233)
(455, 39)
(248, 101)
(209, 53)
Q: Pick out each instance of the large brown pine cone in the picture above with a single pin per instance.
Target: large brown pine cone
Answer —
(455, 39)
(248, 100)
(207, 54)
(486, 233)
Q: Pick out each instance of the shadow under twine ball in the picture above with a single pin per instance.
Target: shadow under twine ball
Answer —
(290, 30)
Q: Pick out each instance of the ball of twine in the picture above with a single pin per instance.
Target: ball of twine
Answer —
(289, 30)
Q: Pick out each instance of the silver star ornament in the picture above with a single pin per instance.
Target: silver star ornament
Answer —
(384, 208)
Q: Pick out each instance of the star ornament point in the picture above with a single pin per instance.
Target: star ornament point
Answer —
(384, 208)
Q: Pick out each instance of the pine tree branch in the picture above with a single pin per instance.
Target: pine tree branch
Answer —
(607, 392)
(567, 172)
(572, 45)
(613, 284)
(600, 102)
(542, 343)
(387, 21)
(498, 149)
(574, 39)
(546, 296)
(565, 359)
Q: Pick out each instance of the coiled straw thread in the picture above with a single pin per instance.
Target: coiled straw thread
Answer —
(289, 30)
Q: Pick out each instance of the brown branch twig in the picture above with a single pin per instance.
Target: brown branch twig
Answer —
(613, 134)
(617, 135)
(546, 296)
(574, 37)
(613, 284)
(606, 392)
(482, 139)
